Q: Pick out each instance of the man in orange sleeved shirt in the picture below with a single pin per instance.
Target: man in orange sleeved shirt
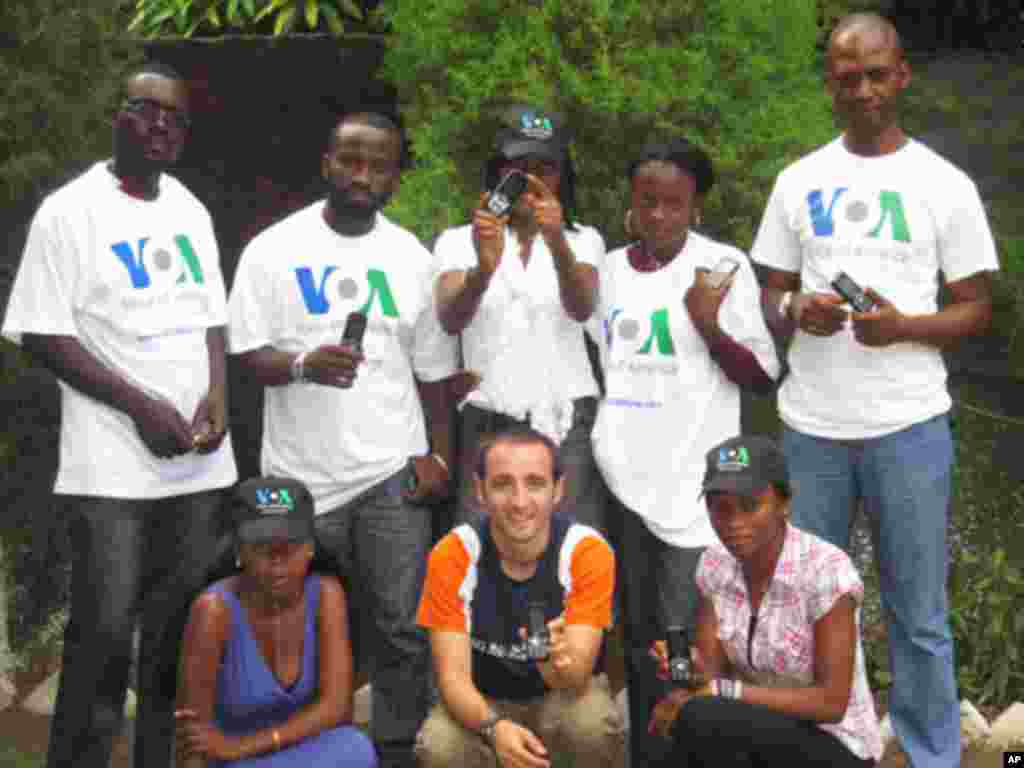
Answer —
(500, 704)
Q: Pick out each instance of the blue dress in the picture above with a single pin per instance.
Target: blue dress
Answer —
(249, 697)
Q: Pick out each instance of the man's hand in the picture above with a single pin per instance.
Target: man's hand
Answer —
(432, 479)
(209, 424)
(547, 210)
(162, 428)
(703, 302)
(518, 747)
(665, 712)
(819, 314)
(882, 326)
(488, 239)
(561, 657)
(333, 365)
(202, 738)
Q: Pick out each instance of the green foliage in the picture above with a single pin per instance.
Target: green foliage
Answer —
(987, 614)
(736, 78)
(58, 80)
(185, 18)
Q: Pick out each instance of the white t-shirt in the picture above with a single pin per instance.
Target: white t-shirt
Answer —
(892, 223)
(530, 353)
(296, 283)
(667, 402)
(137, 282)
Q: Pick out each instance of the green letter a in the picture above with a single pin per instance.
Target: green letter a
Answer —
(659, 334)
(378, 282)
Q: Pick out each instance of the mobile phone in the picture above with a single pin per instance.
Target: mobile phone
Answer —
(680, 668)
(538, 639)
(723, 270)
(504, 196)
(355, 327)
(855, 296)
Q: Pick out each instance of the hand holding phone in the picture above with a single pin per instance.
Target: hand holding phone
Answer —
(852, 293)
(504, 196)
(538, 640)
(355, 328)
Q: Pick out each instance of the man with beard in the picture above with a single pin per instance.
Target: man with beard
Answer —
(865, 408)
(120, 294)
(345, 419)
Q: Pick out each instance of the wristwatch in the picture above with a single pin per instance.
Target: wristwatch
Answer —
(487, 728)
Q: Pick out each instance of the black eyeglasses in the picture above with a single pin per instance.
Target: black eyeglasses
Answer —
(150, 111)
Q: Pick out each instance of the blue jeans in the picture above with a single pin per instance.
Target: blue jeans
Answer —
(904, 481)
(133, 561)
(381, 543)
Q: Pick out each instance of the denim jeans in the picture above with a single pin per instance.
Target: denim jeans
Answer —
(133, 561)
(658, 590)
(381, 543)
(903, 480)
(585, 498)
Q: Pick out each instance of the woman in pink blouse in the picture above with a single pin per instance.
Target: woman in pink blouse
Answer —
(777, 634)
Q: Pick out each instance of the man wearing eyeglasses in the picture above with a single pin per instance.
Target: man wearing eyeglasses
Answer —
(120, 294)
(865, 406)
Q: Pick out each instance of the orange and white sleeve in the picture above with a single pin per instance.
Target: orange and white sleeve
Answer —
(442, 605)
(591, 583)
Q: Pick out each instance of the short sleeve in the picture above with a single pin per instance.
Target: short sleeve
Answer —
(592, 578)
(741, 317)
(442, 605)
(588, 247)
(42, 298)
(454, 250)
(251, 310)
(833, 577)
(710, 574)
(777, 244)
(966, 246)
(435, 354)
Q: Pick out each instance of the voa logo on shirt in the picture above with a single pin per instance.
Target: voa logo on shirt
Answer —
(159, 264)
(658, 338)
(324, 287)
(863, 213)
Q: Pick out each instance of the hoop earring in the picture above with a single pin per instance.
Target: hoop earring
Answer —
(238, 562)
(697, 219)
(628, 222)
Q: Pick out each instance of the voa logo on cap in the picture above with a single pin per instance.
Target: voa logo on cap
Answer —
(274, 501)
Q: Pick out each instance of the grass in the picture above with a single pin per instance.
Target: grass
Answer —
(12, 758)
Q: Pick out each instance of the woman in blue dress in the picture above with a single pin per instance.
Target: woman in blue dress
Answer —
(266, 670)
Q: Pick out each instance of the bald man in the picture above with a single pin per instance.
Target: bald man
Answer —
(865, 407)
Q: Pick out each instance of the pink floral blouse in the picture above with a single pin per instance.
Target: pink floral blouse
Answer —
(810, 576)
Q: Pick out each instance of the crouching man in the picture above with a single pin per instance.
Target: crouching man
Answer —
(512, 697)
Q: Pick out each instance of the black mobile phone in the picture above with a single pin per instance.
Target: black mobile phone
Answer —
(538, 639)
(504, 196)
(355, 327)
(723, 270)
(855, 296)
(680, 668)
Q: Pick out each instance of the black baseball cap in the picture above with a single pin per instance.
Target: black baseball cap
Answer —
(529, 131)
(744, 465)
(268, 508)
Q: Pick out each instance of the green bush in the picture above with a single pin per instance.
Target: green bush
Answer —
(987, 614)
(740, 79)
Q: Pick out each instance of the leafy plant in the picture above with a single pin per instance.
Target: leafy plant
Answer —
(739, 79)
(186, 18)
(987, 614)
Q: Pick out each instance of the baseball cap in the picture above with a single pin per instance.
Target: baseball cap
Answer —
(529, 131)
(744, 465)
(268, 508)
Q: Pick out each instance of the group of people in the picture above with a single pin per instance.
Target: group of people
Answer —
(578, 505)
